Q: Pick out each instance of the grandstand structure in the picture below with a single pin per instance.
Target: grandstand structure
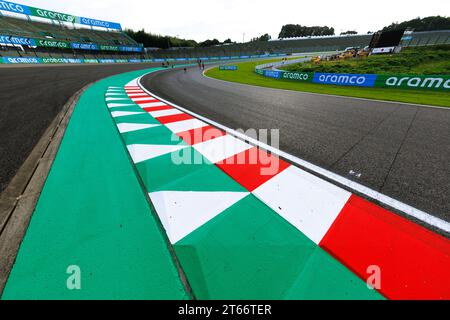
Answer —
(301, 45)
(33, 32)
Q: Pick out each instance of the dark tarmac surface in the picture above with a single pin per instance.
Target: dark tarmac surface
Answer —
(31, 97)
(400, 150)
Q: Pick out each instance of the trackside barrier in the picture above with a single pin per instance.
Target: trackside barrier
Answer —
(402, 81)
(35, 60)
(356, 80)
(276, 64)
(52, 15)
(405, 81)
(228, 68)
(270, 70)
(297, 76)
(32, 42)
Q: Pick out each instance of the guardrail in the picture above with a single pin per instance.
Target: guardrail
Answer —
(6, 39)
(399, 81)
(281, 63)
(37, 60)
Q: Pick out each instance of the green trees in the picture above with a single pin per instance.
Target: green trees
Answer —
(296, 30)
(349, 32)
(424, 24)
(209, 43)
(418, 24)
(158, 41)
(151, 40)
(264, 37)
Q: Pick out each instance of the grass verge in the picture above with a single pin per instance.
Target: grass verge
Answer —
(246, 75)
(417, 60)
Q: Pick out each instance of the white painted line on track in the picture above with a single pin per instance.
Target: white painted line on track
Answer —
(359, 188)
(163, 113)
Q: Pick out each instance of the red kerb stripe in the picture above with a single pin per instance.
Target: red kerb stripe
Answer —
(174, 118)
(160, 108)
(414, 262)
(146, 101)
(253, 167)
(199, 135)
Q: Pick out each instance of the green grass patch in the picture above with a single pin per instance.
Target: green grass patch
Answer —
(433, 60)
(246, 75)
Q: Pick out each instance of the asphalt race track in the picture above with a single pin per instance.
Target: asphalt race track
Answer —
(31, 97)
(400, 150)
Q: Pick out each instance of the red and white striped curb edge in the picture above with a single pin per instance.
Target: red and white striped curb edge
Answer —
(350, 228)
(357, 187)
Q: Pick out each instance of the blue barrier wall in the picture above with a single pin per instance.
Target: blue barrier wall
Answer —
(26, 60)
(345, 79)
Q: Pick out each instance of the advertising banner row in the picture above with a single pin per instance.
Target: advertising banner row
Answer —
(35, 60)
(401, 81)
(228, 68)
(52, 15)
(12, 40)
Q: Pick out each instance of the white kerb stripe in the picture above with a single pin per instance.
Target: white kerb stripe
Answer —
(139, 95)
(143, 99)
(132, 83)
(186, 125)
(309, 203)
(221, 148)
(162, 113)
(142, 152)
(153, 104)
(117, 105)
(108, 94)
(117, 114)
(117, 99)
(136, 93)
(130, 127)
(423, 216)
(182, 212)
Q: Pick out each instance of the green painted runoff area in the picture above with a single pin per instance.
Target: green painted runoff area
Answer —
(248, 251)
(93, 213)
